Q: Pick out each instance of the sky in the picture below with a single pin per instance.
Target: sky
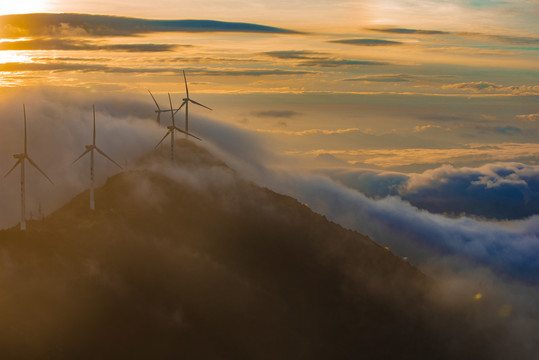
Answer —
(415, 122)
(384, 84)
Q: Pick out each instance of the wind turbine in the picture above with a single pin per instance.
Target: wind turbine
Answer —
(186, 101)
(158, 111)
(170, 131)
(20, 161)
(90, 149)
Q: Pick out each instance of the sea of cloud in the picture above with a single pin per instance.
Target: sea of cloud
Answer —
(502, 190)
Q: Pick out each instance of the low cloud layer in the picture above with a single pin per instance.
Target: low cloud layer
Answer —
(495, 191)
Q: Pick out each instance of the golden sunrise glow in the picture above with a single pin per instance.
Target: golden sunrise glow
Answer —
(12, 57)
(393, 85)
(23, 6)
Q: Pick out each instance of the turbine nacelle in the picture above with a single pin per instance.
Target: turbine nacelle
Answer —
(90, 147)
(19, 156)
(158, 111)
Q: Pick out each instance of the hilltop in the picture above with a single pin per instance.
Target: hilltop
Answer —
(194, 262)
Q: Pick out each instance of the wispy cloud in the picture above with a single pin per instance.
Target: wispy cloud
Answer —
(339, 63)
(295, 54)
(501, 38)
(276, 113)
(474, 86)
(424, 128)
(318, 59)
(506, 39)
(84, 25)
(71, 44)
(485, 86)
(395, 158)
(480, 50)
(409, 31)
(310, 132)
(64, 66)
(508, 130)
(528, 117)
(250, 72)
(396, 78)
(366, 42)
(447, 117)
(60, 66)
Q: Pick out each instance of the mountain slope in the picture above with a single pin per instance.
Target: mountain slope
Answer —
(194, 262)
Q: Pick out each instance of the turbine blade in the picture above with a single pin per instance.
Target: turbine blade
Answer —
(105, 155)
(13, 168)
(180, 130)
(37, 167)
(25, 141)
(183, 103)
(186, 89)
(156, 104)
(171, 109)
(94, 124)
(84, 153)
(199, 104)
(164, 137)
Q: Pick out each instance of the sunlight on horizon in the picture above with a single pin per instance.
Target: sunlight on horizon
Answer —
(13, 57)
(24, 7)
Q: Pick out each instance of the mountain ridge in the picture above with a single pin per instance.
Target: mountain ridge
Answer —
(191, 260)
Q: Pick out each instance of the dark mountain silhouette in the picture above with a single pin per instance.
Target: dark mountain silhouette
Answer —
(194, 262)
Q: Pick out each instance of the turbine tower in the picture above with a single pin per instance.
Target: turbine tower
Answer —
(185, 102)
(170, 131)
(90, 149)
(20, 161)
(158, 111)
